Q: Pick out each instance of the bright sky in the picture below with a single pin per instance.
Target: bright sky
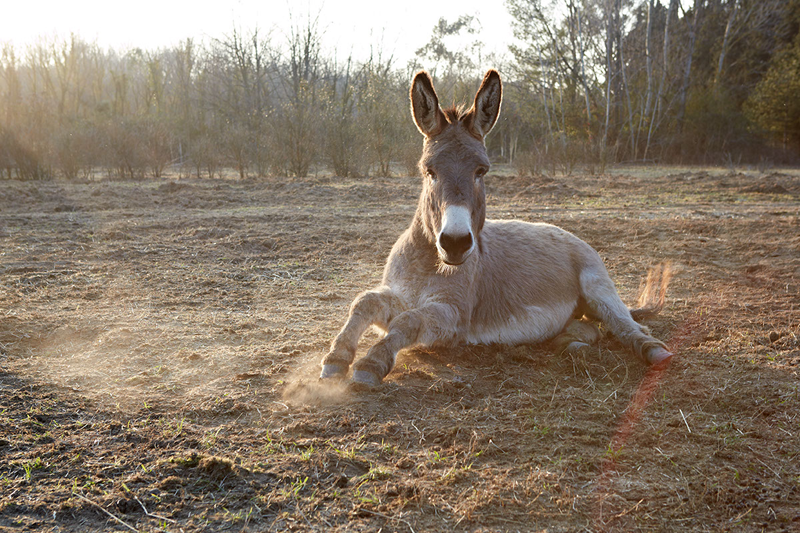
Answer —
(400, 26)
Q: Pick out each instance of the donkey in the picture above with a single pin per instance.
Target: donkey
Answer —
(455, 277)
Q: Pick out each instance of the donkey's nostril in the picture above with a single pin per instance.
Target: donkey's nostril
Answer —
(455, 245)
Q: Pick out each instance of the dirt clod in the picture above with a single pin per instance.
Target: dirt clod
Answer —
(216, 468)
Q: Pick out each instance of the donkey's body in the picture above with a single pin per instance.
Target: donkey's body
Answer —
(521, 286)
(455, 277)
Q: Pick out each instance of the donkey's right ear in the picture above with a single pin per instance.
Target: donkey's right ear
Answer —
(428, 116)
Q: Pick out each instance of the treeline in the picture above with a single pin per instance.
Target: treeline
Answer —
(691, 81)
(589, 82)
(69, 108)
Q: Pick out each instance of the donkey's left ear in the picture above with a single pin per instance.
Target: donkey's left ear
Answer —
(481, 118)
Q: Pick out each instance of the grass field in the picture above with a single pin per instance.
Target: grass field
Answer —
(159, 342)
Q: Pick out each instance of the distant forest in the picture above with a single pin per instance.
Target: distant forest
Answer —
(590, 83)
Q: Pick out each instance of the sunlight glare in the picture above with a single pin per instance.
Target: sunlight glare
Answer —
(398, 29)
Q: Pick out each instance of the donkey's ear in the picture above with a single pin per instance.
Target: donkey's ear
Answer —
(425, 108)
(481, 118)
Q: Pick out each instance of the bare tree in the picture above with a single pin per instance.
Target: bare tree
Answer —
(575, 14)
(687, 69)
(295, 128)
(654, 119)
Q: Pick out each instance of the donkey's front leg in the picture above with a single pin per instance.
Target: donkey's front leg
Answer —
(378, 307)
(424, 325)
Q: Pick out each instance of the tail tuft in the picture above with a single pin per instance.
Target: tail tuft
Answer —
(653, 294)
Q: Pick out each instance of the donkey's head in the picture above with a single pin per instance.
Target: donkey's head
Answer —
(454, 162)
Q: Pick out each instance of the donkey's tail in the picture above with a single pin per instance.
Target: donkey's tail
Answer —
(653, 293)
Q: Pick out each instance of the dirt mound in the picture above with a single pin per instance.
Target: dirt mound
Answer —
(775, 183)
(173, 187)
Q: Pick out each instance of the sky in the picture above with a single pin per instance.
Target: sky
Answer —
(400, 27)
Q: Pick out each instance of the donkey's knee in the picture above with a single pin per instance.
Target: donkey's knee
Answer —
(374, 307)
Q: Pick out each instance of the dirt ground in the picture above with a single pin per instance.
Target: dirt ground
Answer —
(159, 342)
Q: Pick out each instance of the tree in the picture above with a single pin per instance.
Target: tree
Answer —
(687, 67)
(774, 104)
(439, 59)
(295, 126)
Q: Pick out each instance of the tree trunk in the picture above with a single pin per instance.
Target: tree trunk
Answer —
(688, 68)
(657, 107)
(649, 68)
(726, 38)
(583, 68)
(543, 83)
(609, 74)
(631, 135)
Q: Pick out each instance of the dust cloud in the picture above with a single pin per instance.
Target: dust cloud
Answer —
(305, 388)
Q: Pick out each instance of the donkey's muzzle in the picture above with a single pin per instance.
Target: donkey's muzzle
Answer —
(455, 247)
(455, 240)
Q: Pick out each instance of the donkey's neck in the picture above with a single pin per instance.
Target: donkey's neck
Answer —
(421, 249)
(422, 225)
(421, 236)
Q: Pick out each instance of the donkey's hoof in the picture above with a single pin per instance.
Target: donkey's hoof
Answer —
(657, 355)
(364, 381)
(577, 348)
(333, 372)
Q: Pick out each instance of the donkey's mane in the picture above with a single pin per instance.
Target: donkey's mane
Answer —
(454, 113)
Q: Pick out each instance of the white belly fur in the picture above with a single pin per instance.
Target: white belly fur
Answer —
(537, 324)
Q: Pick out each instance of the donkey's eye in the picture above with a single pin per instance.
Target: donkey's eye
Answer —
(430, 174)
(480, 173)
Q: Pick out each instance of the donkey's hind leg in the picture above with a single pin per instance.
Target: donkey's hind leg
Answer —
(605, 304)
(577, 337)
(374, 307)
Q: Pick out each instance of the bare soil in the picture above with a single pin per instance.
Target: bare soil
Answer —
(159, 342)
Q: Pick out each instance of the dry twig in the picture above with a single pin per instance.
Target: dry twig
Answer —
(121, 521)
(152, 515)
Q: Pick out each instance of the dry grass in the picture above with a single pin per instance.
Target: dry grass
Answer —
(159, 340)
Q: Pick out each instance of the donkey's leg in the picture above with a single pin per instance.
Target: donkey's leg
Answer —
(423, 325)
(577, 337)
(604, 302)
(377, 307)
